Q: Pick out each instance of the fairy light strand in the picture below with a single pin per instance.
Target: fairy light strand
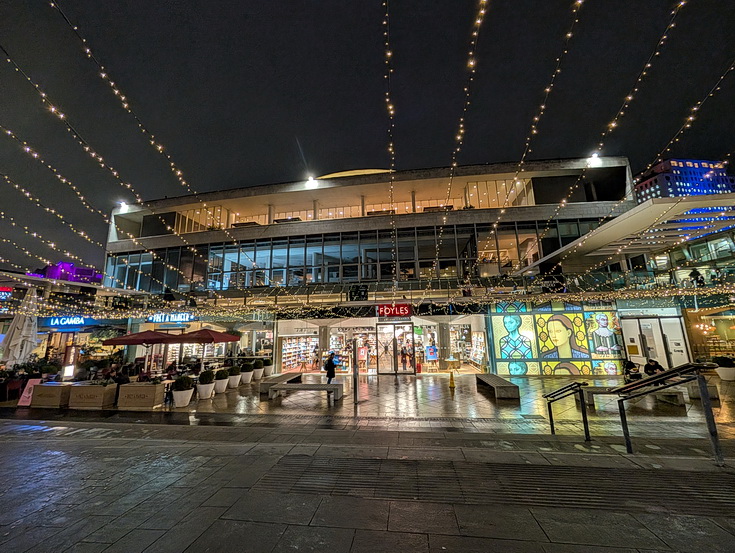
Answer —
(459, 137)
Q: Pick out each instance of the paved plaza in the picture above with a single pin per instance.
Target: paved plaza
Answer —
(414, 466)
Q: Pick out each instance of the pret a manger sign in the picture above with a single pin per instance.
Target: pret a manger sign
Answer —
(394, 310)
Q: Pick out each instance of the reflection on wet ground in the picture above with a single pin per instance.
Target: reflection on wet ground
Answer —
(427, 401)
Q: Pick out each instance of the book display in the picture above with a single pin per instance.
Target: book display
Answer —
(297, 352)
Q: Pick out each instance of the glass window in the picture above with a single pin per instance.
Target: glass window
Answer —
(369, 247)
(350, 273)
(427, 270)
(331, 251)
(231, 262)
(447, 245)
(406, 245)
(247, 254)
(386, 271)
(216, 258)
(314, 250)
(279, 257)
(263, 254)
(369, 271)
(350, 248)
(171, 277)
(407, 271)
(385, 246)
(466, 242)
(447, 268)
(146, 269)
(296, 253)
(425, 243)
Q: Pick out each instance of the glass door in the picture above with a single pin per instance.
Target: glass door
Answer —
(395, 348)
(659, 338)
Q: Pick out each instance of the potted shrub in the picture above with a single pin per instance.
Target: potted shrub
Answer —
(183, 388)
(246, 373)
(205, 385)
(258, 369)
(268, 367)
(234, 376)
(221, 377)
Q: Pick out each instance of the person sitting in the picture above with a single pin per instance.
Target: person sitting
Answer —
(631, 372)
(652, 367)
(144, 377)
(122, 377)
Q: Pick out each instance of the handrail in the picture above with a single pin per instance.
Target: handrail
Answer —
(688, 372)
(565, 391)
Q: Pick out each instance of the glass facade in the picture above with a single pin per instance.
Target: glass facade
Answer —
(448, 252)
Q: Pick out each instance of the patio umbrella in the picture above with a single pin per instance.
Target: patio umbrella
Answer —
(146, 339)
(203, 336)
(20, 339)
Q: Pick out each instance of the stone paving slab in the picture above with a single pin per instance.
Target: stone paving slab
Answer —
(172, 496)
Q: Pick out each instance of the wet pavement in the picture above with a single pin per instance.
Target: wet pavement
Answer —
(427, 402)
(260, 486)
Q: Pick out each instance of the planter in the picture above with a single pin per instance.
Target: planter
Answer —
(221, 385)
(725, 373)
(205, 391)
(246, 377)
(88, 396)
(257, 374)
(52, 394)
(140, 396)
(182, 397)
(267, 370)
(233, 381)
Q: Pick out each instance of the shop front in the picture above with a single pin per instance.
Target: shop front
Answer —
(712, 332)
(67, 338)
(394, 341)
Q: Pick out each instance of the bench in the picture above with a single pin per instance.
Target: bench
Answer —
(282, 378)
(673, 396)
(336, 387)
(591, 391)
(502, 388)
(693, 389)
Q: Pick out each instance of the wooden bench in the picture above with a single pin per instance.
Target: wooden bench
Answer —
(591, 391)
(336, 387)
(502, 388)
(282, 378)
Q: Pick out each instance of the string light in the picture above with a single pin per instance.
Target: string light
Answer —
(459, 137)
(390, 109)
(175, 170)
(612, 126)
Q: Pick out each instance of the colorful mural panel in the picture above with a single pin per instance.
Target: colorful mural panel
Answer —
(518, 368)
(514, 336)
(562, 336)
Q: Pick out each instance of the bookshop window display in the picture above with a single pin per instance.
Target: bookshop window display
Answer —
(559, 338)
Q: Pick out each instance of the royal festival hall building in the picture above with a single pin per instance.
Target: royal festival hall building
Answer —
(405, 267)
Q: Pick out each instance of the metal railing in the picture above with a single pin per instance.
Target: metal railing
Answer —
(688, 372)
(564, 392)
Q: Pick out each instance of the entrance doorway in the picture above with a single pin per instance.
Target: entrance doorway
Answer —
(396, 353)
(659, 338)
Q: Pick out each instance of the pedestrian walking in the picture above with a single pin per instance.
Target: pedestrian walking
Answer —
(330, 366)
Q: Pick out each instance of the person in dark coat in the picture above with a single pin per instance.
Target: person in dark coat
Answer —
(631, 372)
(330, 367)
(653, 367)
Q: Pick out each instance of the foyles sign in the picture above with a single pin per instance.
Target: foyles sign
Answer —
(171, 318)
(394, 310)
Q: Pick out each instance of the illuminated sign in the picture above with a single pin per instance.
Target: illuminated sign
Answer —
(66, 321)
(5, 293)
(394, 310)
(171, 318)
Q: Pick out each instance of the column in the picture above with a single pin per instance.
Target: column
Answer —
(443, 344)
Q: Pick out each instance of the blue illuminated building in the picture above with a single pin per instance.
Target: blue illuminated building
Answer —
(683, 177)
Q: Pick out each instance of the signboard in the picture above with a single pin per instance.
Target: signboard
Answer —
(71, 321)
(25, 399)
(394, 310)
(5, 293)
(171, 318)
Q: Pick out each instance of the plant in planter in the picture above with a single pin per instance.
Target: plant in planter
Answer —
(221, 378)
(183, 388)
(258, 369)
(246, 373)
(234, 378)
(205, 385)
(267, 367)
(726, 369)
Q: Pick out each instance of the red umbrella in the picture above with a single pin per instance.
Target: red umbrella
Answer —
(138, 339)
(203, 336)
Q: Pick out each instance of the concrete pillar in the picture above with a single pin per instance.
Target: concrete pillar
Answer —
(362, 206)
(323, 342)
(271, 214)
(443, 345)
(315, 210)
(413, 201)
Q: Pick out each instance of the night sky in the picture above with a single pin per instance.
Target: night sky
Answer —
(231, 88)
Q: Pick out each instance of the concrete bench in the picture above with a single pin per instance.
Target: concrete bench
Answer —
(282, 378)
(590, 392)
(336, 387)
(693, 390)
(502, 388)
(673, 396)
